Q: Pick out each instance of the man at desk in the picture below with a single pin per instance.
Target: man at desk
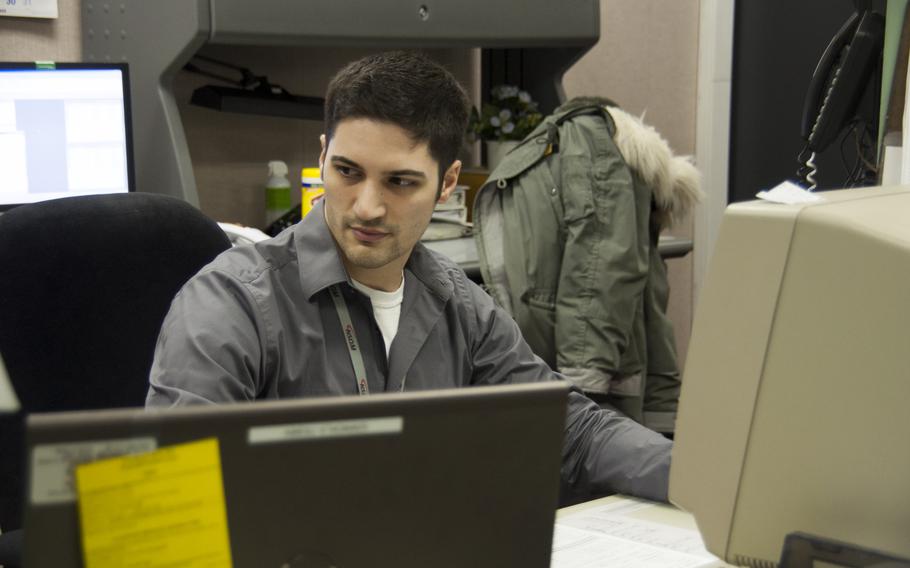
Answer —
(348, 301)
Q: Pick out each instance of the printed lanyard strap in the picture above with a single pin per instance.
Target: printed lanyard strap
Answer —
(360, 371)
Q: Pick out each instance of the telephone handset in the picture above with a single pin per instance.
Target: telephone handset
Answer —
(840, 78)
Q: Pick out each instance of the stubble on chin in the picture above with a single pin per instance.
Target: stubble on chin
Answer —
(367, 256)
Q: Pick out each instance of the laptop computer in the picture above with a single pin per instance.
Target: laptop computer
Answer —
(462, 477)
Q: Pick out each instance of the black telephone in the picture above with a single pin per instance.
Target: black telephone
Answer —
(841, 77)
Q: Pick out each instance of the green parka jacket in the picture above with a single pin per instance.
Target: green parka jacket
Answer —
(567, 229)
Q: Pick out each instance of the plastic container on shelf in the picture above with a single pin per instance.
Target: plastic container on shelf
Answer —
(277, 192)
(311, 189)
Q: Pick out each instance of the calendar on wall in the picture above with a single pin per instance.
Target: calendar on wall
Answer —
(28, 8)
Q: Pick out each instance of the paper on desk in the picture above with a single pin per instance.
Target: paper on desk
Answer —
(788, 193)
(162, 508)
(620, 534)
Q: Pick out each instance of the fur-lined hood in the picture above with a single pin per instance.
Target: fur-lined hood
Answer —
(674, 180)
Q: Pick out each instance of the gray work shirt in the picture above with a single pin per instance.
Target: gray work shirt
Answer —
(259, 323)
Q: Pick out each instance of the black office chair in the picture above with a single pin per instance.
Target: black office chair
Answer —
(85, 283)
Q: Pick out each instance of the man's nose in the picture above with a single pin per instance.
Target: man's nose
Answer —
(370, 203)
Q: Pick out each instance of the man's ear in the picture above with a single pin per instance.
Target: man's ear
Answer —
(322, 154)
(449, 181)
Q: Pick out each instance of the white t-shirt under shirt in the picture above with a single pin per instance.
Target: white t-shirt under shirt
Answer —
(386, 309)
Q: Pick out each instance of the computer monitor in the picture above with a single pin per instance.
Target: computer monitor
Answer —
(64, 131)
(795, 407)
(463, 477)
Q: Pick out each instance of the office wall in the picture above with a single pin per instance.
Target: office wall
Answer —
(646, 61)
(31, 39)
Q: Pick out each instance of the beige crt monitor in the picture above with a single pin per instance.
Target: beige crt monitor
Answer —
(795, 408)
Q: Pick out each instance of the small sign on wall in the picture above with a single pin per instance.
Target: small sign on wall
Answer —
(29, 8)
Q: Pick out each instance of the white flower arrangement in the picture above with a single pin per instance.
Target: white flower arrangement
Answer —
(510, 115)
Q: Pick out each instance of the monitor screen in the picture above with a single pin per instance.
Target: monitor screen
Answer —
(793, 413)
(64, 131)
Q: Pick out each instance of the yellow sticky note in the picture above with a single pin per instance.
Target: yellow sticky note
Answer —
(162, 508)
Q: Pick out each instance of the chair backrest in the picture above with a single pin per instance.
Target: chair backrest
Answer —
(85, 283)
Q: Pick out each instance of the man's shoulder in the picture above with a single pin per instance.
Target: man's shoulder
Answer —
(463, 291)
(435, 266)
(445, 264)
(247, 263)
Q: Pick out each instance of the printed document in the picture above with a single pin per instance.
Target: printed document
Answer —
(628, 533)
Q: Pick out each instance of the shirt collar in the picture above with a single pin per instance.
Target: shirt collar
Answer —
(320, 266)
(318, 259)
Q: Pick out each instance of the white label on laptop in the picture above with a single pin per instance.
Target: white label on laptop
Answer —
(52, 479)
(328, 429)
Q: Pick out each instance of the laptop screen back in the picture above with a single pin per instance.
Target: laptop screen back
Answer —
(466, 477)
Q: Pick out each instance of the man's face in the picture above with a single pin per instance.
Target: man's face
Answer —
(380, 190)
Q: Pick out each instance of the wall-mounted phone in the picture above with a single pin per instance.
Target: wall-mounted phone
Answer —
(841, 77)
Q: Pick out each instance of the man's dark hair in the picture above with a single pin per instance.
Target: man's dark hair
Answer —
(406, 89)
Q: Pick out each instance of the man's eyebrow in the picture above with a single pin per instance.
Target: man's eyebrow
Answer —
(345, 161)
(405, 172)
(412, 173)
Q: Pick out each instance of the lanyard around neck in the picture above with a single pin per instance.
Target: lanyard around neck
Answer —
(350, 340)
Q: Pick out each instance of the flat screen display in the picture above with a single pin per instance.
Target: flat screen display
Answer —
(64, 131)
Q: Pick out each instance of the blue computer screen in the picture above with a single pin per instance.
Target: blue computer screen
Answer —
(64, 131)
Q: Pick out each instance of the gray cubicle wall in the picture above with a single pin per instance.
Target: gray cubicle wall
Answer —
(158, 38)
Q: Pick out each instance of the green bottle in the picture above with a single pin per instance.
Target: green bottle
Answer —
(277, 192)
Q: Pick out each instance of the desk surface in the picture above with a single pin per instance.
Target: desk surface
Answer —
(464, 251)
